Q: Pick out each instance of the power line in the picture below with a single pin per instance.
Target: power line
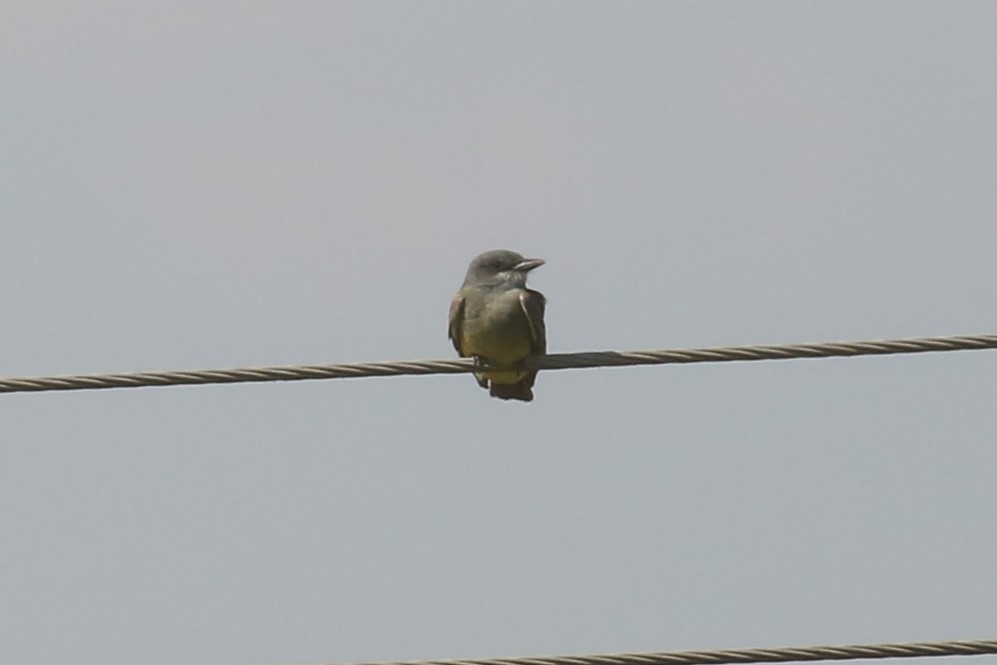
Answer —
(773, 655)
(465, 365)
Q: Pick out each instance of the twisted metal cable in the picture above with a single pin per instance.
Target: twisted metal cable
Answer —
(465, 365)
(772, 655)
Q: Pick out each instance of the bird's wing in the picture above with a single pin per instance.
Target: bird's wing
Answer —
(456, 321)
(533, 304)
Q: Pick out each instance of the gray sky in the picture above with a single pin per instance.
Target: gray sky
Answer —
(231, 184)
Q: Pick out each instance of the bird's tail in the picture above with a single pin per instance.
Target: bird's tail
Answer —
(523, 391)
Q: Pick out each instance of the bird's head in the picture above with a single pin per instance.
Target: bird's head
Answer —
(500, 266)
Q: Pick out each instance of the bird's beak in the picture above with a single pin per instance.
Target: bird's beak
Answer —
(527, 265)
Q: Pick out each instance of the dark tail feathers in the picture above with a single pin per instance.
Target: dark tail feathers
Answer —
(521, 391)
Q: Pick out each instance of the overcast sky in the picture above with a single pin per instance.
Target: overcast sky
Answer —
(201, 185)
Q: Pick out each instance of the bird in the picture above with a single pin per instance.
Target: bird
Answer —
(497, 321)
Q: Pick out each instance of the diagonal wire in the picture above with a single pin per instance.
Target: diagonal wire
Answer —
(464, 365)
(718, 657)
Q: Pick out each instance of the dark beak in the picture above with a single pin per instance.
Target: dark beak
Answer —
(527, 265)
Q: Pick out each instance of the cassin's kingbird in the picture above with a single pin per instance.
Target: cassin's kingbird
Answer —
(494, 318)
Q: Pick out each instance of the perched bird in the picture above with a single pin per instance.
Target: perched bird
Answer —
(495, 319)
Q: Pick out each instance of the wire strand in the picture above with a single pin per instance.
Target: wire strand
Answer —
(772, 655)
(465, 365)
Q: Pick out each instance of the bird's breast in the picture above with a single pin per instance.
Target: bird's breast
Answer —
(495, 327)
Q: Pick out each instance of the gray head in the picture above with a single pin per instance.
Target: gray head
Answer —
(500, 267)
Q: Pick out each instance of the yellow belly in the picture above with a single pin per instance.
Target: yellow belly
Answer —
(502, 341)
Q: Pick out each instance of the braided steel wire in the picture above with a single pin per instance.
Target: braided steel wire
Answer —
(464, 365)
(772, 655)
